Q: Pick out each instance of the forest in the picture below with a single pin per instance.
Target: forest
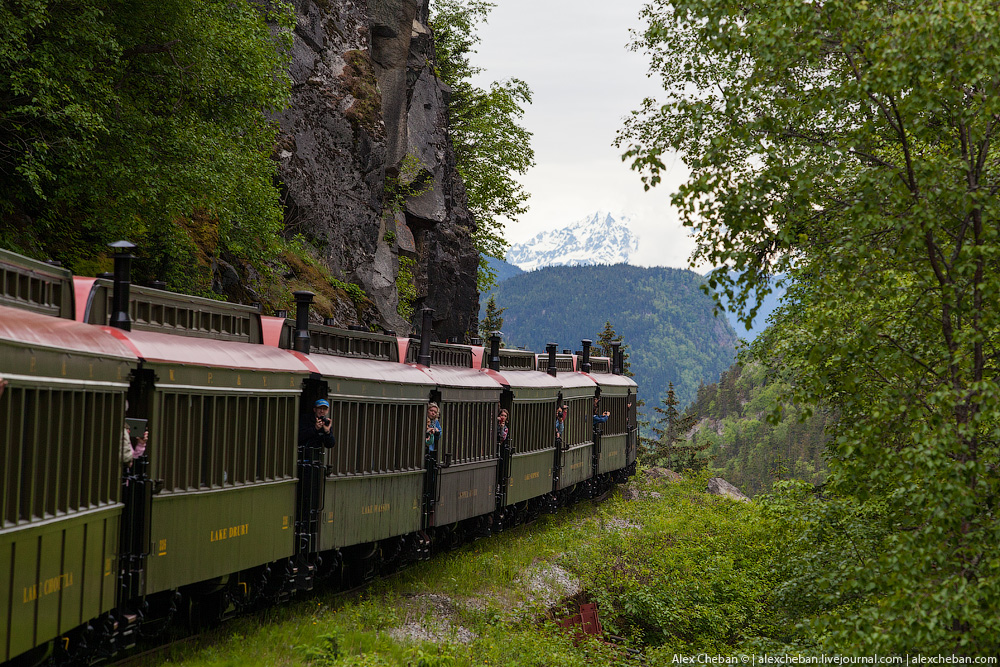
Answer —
(662, 315)
(741, 429)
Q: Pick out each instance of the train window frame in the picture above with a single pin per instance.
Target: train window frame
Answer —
(185, 420)
(392, 444)
(79, 455)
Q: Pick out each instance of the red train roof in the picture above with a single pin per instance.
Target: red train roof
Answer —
(526, 379)
(609, 380)
(60, 334)
(369, 369)
(169, 348)
(451, 376)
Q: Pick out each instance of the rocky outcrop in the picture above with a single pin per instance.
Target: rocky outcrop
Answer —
(365, 160)
(663, 473)
(720, 487)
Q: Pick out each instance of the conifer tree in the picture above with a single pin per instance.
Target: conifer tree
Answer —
(493, 320)
(670, 448)
(604, 340)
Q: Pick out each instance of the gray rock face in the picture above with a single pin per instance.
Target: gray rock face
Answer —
(721, 487)
(365, 103)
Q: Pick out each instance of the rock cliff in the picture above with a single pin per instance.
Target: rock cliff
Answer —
(365, 162)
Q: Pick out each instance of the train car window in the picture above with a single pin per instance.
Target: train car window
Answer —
(44, 435)
(578, 421)
(375, 437)
(468, 431)
(59, 451)
(11, 412)
(215, 441)
(532, 426)
(616, 405)
(267, 428)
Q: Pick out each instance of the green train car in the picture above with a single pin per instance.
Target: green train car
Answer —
(228, 507)
(63, 387)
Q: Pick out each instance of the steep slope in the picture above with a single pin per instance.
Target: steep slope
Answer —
(751, 451)
(368, 120)
(596, 239)
(665, 319)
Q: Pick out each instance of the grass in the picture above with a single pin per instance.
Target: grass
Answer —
(676, 570)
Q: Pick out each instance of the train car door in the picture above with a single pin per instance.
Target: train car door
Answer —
(432, 452)
(137, 487)
(505, 452)
(310, 493)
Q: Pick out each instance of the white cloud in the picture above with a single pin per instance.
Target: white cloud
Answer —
(574, 56)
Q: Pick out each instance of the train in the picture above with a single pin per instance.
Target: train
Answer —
(226, 510)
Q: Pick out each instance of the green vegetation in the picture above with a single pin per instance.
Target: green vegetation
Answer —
(660, 313)
(493, 319)
(674, 571)
(410, 182)
(147, 121)
(669, 447)
(300, 269)
(603, 347)
(405, 288)
(490, 144)
(850, 146)
(749, 440)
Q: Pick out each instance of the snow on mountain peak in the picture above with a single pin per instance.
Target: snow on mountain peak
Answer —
(599, 238)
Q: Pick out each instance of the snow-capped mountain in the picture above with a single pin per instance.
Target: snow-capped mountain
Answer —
(597, 239)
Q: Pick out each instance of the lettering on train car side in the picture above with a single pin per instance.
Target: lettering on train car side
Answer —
(239, 380)
(614, 453)
(91, 370)
(531, 475)
(375, 509)
(576, 465)
(229, 532)
(31, 364)
(329, 517)
(171, 374)
(264, 378)
(284, 522)
(471, 493)
(107, 567)
(47, 587)
(161, 549)
(64, 368)
(209, 380)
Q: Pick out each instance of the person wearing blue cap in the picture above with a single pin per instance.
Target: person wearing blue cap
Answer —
(314, 427)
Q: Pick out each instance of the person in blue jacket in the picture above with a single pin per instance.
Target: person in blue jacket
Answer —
(600, 418)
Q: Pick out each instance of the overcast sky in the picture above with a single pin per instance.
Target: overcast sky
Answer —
(574, 56)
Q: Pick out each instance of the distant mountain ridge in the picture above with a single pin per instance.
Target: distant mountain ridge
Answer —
(503, 271)
(597, 239)
(662, 313)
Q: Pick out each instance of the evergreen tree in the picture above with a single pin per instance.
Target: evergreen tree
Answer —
(604, 340)
(670, 448)
(493, 320)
